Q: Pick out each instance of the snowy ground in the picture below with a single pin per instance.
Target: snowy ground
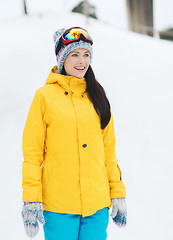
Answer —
(136, 72)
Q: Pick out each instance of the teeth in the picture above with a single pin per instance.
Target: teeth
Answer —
(80, 68)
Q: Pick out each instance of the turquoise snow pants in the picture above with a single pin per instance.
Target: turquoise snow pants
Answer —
(62, 226)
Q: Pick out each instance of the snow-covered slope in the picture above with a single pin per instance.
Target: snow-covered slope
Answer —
(136, 72)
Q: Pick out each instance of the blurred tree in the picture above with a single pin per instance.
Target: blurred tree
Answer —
(85, 8)
(25, 8)
(140, 16)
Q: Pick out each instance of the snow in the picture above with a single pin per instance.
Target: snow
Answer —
(112, 12)
(136, 72)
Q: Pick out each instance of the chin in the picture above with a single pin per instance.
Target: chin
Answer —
(79, 75)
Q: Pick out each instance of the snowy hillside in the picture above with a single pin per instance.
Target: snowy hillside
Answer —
(136, 72)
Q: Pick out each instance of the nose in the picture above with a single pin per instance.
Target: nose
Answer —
(81, 60)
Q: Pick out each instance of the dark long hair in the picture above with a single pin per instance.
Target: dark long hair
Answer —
(97, 96)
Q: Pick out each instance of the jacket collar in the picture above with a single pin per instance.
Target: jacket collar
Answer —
(69, 83)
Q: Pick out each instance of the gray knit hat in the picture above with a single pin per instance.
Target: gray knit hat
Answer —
(66, 49)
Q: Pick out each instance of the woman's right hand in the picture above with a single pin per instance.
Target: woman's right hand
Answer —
(31, 212)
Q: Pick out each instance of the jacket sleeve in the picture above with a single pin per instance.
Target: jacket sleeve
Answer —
(117, 188)
(33, 150)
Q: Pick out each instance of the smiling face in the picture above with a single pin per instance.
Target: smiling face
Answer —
(77, 62)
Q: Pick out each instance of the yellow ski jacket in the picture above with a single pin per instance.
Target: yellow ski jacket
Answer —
(69, 161)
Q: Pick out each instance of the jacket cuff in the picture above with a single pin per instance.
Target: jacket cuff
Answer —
(119, 191)
(31, 198)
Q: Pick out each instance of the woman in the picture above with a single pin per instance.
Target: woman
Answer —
(71, 176)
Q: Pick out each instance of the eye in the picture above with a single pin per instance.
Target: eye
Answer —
(74, 55)
(87, 55)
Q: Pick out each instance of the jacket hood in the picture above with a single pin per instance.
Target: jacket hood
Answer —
(69, 83)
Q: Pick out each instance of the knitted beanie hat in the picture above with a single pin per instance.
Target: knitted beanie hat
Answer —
(66, 49)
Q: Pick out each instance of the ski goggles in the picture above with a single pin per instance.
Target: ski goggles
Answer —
(71, 35)
(75, 34)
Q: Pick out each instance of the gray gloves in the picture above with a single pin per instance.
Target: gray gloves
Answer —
(32, 212)
(119, 211)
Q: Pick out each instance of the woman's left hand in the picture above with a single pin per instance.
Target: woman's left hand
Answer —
(119, 211)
